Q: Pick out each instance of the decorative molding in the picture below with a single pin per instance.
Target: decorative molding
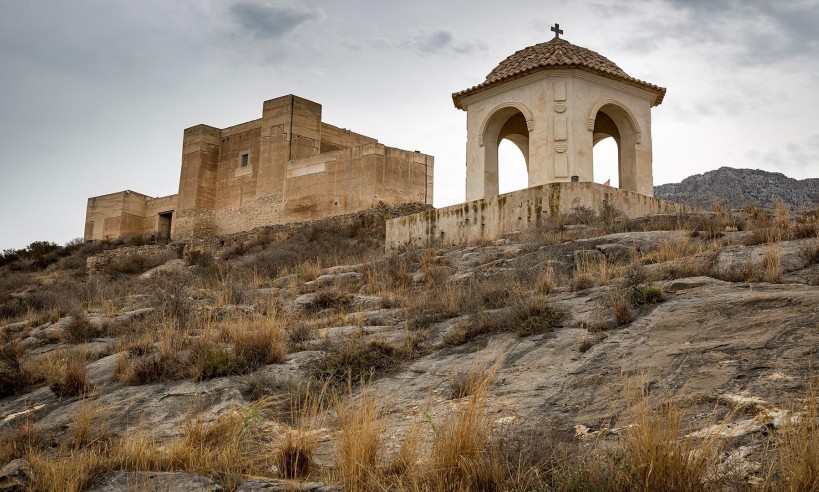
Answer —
(530, 124)
(561, 147)
(480, 140)
(560, 127)
(560, 108)
(561, 166)
(559, 93)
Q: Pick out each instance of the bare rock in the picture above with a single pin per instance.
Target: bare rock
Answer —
(171, 266)
(154, 482)
(617, 253)
(346, 278)
(272, 485)
(15, 476)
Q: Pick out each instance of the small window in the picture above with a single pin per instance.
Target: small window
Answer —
(245, 160)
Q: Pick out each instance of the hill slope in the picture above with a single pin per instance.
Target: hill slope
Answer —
(738, 188)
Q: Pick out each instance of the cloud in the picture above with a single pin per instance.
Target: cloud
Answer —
(798, 160)
(268, 20)
(431, 42)
(756, 31)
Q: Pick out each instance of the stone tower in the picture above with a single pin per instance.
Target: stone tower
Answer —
(555, 101)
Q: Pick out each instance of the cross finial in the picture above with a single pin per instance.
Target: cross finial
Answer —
(557, 30)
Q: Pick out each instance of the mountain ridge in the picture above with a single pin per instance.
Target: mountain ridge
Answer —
(738, 188)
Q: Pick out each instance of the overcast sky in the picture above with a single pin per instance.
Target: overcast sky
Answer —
(94, 95)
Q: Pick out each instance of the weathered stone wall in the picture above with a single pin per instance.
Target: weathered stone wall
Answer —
(98, 263)
(492, 217)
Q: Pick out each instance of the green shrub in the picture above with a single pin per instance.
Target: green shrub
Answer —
(535, 316)
(213, 361)
(355, 360)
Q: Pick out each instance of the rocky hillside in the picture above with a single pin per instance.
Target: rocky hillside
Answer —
(590, 353)
(738, 188)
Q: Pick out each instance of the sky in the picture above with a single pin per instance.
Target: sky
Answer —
(95, 94)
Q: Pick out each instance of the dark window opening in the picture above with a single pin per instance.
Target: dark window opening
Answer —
(245, 160)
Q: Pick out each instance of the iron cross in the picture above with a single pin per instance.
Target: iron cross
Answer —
(557, 30)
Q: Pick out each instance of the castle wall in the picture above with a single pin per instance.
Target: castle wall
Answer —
(490, 218)
(298, 168)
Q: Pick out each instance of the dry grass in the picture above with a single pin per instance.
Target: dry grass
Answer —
(227, 450)
(460, 458)
(672, 250)
(654, 456)
(293, 453)
(259, 340)
(796, 447)
(593, 271)
(773, 262)
(359, 443)
(68, 377)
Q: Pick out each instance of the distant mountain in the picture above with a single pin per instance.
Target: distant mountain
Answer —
(738, 188)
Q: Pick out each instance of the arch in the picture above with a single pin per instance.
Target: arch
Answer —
(612, 119)
(509, 121)
(629, 116)
(526, 112)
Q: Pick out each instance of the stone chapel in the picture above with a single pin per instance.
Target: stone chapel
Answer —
(554, 101)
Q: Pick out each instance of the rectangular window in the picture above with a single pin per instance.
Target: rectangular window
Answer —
(245, 160)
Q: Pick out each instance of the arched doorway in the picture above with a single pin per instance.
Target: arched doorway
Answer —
(507, 125)
(615, 138)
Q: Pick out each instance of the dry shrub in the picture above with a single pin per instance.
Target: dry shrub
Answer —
(467, 383)
(809, 252)
(359, 440)
(13, 377)
(69, 377)
(654, 456)
(309, 269)
(79, 330)
(533, 316)
(258, 340)
(169, 294)
(796, 450)
(621, 303)
(587, 340)
(154, 356)
(210, 359)
(355, 359)
(329, 298)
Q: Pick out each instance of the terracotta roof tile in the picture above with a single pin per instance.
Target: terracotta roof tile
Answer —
(557, 53)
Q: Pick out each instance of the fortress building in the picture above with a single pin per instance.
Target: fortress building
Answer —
(286, 166)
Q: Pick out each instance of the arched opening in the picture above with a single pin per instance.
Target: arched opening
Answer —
(513, 174)
(614, 155)
(605, 157)
(506, 152)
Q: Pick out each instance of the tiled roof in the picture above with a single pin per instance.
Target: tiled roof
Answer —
(557, 53)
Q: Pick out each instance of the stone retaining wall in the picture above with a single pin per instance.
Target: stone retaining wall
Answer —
(490, 218)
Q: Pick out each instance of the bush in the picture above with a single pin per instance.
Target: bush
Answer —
(79, 330)
(535, 316)
(12, 376)
(70, 378)
(210, 360)
(355, 360)
(258, 342)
